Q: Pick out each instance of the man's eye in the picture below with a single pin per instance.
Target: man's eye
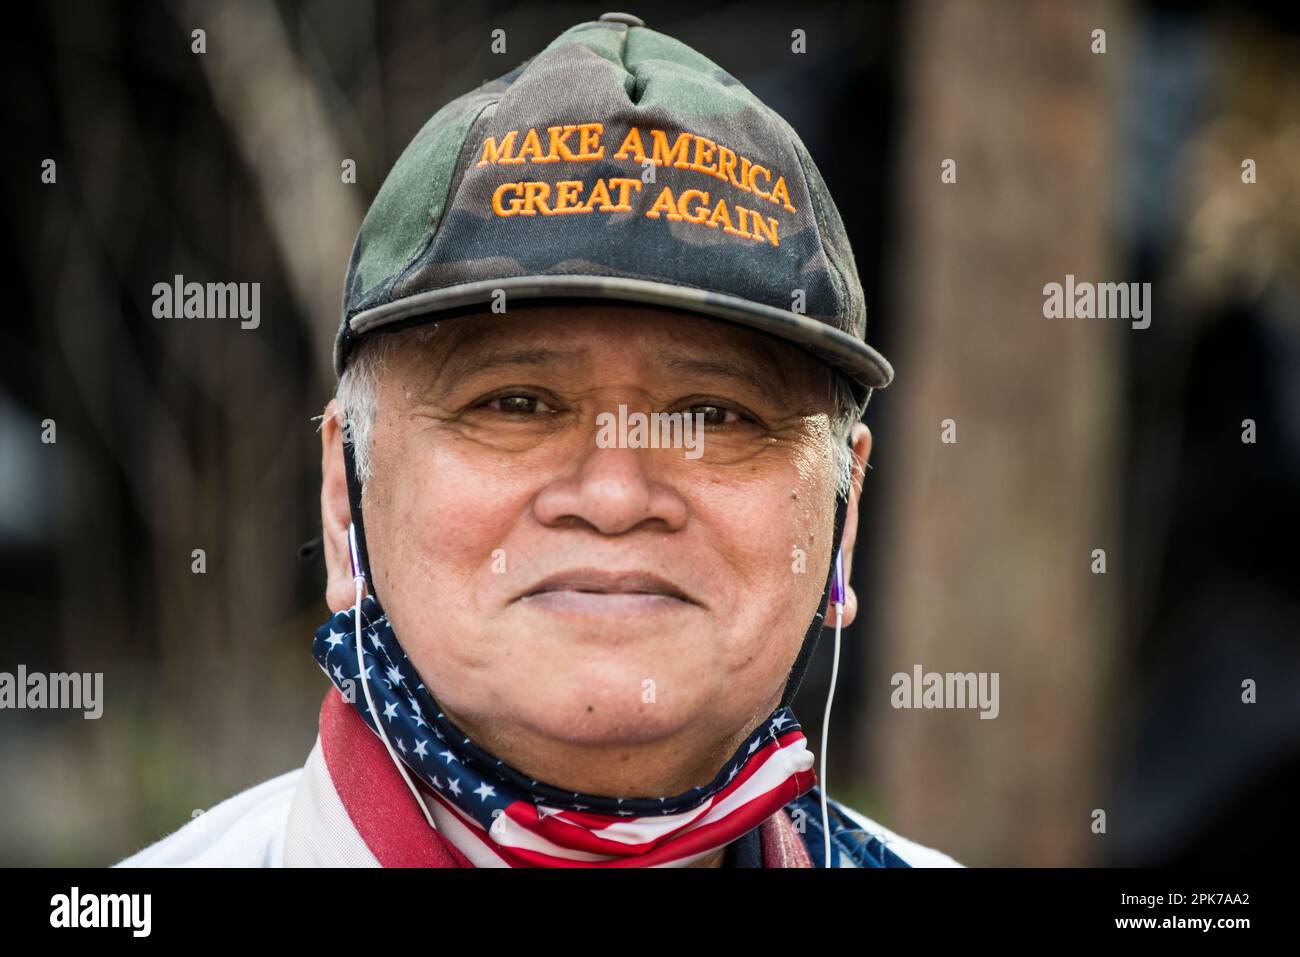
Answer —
(519, 404)
(714, 414)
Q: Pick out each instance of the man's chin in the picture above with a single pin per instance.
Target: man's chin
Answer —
(647, 689)
(601, 719)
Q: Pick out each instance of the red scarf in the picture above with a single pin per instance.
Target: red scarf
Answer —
(393, 827)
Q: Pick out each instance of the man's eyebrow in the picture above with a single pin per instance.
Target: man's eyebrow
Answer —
(468, 361)
(757, 371)
(760, 372)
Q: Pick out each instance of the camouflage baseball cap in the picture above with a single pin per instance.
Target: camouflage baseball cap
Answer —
(616, 165)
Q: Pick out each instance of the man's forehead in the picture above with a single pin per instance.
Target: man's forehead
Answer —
(672, 341)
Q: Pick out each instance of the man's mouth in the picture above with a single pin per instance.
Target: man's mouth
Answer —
(597, 591)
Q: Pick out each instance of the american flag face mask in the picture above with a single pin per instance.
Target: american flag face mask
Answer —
(529, 823)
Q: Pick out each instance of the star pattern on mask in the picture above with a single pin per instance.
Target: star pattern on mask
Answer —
(484, 786)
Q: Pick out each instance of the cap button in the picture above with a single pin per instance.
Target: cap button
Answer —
(627, 18)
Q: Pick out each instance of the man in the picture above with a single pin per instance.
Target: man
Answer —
(595, 446)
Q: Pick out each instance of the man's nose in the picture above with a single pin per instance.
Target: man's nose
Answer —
(613, 490)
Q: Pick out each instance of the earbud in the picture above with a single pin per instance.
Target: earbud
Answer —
(838, 591)
(353, 554)
(837, 585)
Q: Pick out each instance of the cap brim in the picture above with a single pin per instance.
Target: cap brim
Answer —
(850, 355)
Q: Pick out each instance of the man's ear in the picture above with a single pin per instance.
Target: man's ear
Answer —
(860, 439)
(335, 515)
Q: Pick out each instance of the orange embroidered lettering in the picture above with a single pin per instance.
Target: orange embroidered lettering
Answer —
(727, 165)
(721, 215)
(663, 156)
(742, 216)
(780, 194)
(599, 193)
(768, 228)
(632, 142)
(589, 140)
(700, 213)
(566, 196)
(535, 195)
(531, 146)
(559, 149)
(515, 203)
(664, 202)
(494, 154)
(624, 185)
(704, 155)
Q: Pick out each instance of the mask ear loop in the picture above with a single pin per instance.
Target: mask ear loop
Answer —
(837, 598)
(359, 578)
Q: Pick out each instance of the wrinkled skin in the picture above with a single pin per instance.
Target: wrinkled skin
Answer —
(487, 478)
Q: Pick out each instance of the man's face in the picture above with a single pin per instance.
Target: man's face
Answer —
(548, 586)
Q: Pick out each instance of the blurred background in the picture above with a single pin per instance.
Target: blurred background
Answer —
(1119, 691)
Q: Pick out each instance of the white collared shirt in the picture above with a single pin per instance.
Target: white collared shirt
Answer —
(298, 820)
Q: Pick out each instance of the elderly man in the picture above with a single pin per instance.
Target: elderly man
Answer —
(594, 454)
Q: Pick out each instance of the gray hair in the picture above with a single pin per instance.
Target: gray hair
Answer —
(357, 398)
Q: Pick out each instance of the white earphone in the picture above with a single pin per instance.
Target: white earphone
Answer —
(359, 578)
(837, 599)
